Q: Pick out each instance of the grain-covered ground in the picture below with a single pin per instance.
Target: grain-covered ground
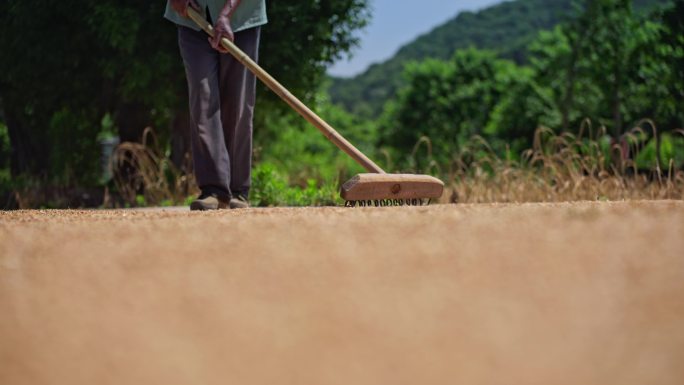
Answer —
(576, 293)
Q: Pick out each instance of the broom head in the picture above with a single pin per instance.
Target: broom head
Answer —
(406, 187)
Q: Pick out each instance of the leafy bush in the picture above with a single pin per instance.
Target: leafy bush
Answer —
(671, 152)
(121, 58)
(5, 179)
(4, 148)
(301, 152)
(450, 101)
(144, 175)
(270, 188)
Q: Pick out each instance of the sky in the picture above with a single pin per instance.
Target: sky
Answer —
(395, 23)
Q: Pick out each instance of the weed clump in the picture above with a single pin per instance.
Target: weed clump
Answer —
(587, 166)
(568, 167)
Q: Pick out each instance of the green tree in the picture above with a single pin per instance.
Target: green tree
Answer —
(608, 46)
(304, 37)
(450, 101)
(68, 64)
(525, 106)
(507, 28)
(301, 40)
(608, 64)
(4, 151)
(658, 90)
(559, 65)
(672, 48)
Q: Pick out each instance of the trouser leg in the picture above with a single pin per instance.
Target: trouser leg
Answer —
(209, 153)
(238, 90)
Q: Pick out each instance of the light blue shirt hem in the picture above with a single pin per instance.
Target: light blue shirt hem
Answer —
(249, 14)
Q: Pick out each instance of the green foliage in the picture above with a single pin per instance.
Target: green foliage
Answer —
(317, 34)
(554, 59)
(299, 148)
(270, 188)
(268, 185)
(671, 51)
(4, 147)
(119, 59)
(608, 43)
(671, 153)
(4, 160)
(525, 107)
(114, 70)
(298, 166)
(64, 77)
(76, 159)
(506, 28)
(451, 101)
(302, 38)
(608, 65)
(140, 201)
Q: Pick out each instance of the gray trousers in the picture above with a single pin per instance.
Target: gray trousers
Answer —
(222, 93)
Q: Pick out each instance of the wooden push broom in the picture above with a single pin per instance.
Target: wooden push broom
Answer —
(375, 188)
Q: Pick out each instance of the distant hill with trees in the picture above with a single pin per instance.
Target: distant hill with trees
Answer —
(507, 29)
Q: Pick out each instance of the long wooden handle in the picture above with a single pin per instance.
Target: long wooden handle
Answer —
(329, 132)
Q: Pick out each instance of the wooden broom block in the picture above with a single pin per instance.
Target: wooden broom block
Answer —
(391, 186)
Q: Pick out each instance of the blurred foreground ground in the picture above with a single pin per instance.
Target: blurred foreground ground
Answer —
(576, 293)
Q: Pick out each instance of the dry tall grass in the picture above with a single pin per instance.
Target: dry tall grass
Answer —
(144, 175)
(558, 167)
(562, 167)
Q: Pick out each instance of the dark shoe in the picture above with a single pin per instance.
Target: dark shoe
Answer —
(239, 202)
(209, 202)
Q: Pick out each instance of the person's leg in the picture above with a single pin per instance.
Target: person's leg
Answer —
(210, 156)
(238, 90)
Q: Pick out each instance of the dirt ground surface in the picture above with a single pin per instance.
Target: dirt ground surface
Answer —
(575, 293)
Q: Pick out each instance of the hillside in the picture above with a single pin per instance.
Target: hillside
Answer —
(506, 28)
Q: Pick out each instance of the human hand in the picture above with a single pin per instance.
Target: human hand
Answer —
(221, 29)
(181, 6)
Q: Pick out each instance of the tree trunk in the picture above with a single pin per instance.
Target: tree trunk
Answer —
(28, 153)
(617, 103)
(658, 145)
(569, 92)
(575, 56)
(180, 138)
